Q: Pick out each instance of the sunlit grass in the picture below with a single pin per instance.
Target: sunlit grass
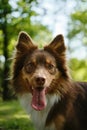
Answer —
(13, 117)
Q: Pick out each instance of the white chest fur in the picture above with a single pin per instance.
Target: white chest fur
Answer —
(38, 117)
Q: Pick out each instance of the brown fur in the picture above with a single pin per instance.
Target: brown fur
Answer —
(70, 113)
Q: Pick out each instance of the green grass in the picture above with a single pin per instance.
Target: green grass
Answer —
(13, 117)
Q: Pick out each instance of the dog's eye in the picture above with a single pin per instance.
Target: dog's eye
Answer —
(50, 67)
(30, 67)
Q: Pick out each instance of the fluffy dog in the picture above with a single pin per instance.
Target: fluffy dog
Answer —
(44, 87)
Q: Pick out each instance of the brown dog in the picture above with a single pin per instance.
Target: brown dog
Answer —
(44, 87)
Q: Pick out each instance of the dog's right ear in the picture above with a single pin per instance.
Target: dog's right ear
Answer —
(57, 45)
(24, 42)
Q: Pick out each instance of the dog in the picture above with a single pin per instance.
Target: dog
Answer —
(44, 87)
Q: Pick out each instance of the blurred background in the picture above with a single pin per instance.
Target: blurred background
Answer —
(42, 20)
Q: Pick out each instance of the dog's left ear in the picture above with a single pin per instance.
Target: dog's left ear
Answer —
(24, 42)
(57, 44)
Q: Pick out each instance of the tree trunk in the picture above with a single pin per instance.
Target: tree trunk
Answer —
(6, 66)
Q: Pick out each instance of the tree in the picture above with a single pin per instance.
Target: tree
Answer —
(5, 9)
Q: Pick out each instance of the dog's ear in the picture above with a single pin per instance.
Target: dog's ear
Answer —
(57, 44)
(24, 42)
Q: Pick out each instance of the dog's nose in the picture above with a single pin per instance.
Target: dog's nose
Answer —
(40, 80)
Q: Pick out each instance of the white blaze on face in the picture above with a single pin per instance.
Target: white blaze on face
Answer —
(43, 72)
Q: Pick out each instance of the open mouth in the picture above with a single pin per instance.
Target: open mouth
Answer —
(39, 98)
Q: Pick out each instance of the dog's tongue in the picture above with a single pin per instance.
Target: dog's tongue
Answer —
(38, 99)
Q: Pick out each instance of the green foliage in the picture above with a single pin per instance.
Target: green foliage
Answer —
(78, 22)
(13, 117)
(20, 18)
(77, 34)
(78, 69)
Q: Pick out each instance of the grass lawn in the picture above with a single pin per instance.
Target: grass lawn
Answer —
(13, 117)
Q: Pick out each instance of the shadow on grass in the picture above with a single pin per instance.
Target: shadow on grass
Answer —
(13, 117)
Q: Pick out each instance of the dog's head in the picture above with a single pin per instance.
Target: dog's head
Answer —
(39, 71)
